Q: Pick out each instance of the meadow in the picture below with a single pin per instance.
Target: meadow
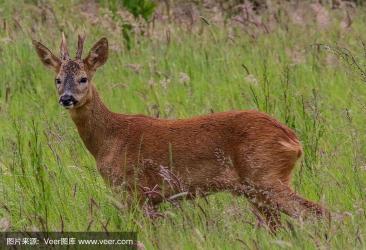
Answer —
(306, 70)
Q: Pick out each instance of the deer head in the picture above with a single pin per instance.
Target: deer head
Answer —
(73, 76)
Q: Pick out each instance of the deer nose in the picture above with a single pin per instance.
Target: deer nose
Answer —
(67, 100)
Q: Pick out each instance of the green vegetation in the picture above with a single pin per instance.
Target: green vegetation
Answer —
(178, 69)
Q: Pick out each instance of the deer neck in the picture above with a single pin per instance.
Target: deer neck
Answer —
(92, 121)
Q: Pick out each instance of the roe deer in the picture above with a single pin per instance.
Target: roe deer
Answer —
(244, 152)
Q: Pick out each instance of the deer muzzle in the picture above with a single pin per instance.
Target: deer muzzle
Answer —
(68, 101)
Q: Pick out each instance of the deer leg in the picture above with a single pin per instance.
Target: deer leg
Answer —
(151, 212)
(262, 209)
(265, 173)
(268, 216)
(281, 198)
(296, 206)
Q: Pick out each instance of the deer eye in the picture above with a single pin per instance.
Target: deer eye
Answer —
(58, 81)
(83, 80)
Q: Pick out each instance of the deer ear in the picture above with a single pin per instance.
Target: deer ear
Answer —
(46, 56)
(98, 55)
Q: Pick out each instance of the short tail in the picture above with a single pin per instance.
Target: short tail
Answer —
(293, 145)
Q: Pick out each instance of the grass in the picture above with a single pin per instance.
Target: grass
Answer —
(48, 180)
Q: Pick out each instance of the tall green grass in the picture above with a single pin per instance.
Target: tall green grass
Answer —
(48, 180)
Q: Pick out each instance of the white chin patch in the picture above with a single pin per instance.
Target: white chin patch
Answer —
(69, 106)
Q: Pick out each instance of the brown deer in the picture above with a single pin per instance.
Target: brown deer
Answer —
(244, 152)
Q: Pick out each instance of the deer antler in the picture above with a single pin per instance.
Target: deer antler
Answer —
(79, 51)
(64, 53)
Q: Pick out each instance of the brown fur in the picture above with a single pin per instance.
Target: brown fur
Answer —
(244, 152)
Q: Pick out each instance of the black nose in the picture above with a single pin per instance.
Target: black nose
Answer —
(67, 100)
